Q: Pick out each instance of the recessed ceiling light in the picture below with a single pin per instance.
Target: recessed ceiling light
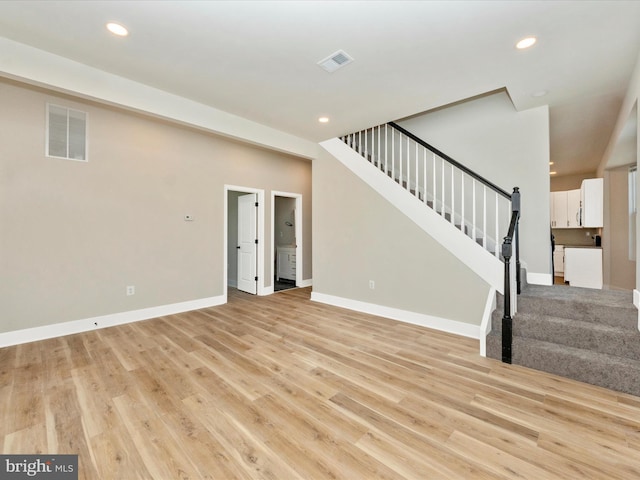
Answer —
(526, 43)
(323, 119)
(551, 163)
(540, 93)
(552, 173)
(117, 29)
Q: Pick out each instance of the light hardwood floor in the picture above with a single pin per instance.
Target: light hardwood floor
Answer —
(283, 388)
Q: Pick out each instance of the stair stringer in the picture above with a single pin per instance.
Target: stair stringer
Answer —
(480, 261)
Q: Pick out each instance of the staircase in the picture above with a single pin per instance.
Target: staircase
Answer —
(466, 213)
(588, 335)
(584, 334)
(474, 205)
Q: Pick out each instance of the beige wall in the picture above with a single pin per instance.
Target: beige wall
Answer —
(75, 234)
(629, 109)
(359, 237)
(507, 147)
(569, 182)
(619, 271)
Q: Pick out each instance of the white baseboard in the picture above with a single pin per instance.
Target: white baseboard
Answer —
(266, 291)
(437, 323)
(539, 278)
(485, 326)
(78, 326)
(304, 283)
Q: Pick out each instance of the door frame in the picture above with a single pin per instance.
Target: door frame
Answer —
(259, 233)
(298, 232)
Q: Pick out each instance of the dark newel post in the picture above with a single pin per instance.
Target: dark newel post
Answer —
(518, 286)
(515, 207)
(506, 318)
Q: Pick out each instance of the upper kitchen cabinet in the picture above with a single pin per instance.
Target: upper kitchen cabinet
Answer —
(591, 197)
(578, 208)
(565, 209)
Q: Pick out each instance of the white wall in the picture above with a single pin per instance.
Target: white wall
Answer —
(510, 149)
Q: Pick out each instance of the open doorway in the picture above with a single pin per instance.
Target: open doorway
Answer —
(243, 239)
(287, 242)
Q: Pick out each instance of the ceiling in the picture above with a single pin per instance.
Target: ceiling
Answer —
(259, 59)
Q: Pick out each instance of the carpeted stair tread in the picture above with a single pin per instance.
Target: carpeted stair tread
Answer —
(609, 307)
(584, 334)
(609, 371)
(611, 298)
(591, 336)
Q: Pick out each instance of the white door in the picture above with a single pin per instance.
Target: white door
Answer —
(247, 243)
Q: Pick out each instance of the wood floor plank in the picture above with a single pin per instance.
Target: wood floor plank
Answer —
(115, 455)
(499, 462)
(162, 456)
(252, 458)
(280, 387)
(330, 437)
(413, 446)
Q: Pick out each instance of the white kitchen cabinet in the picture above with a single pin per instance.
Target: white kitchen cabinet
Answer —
(573, 208)
(592, 198)
(578, 208)
(565, 211)
(286, 263)
(583, 267)
(558, 209)
(558, 260)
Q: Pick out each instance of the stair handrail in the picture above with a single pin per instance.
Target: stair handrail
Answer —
(455, 163)
(438, 180)
(507, 253)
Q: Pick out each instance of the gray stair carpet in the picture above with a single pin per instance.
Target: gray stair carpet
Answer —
(579, 333)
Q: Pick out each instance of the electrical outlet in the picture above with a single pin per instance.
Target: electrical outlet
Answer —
(131, 290)
(372, 285)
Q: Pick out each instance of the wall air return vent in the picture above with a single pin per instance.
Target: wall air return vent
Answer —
(335, 61)
(66, 134)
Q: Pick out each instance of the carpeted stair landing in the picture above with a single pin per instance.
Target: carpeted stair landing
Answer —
(579, 333)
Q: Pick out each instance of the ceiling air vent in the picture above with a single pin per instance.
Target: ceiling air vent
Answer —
(336, 60)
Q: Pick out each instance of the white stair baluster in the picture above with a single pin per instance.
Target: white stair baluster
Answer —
(473, 209)
(484, 217)
(386, 150)
(379, 157)
(408, 165)
(424, 166)
(393, 154)
(434, 196)
(364, 145)
(442, 193)
(497, 248)
(417, 192)
(453, 196)
(462, 228)
(400, 159)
